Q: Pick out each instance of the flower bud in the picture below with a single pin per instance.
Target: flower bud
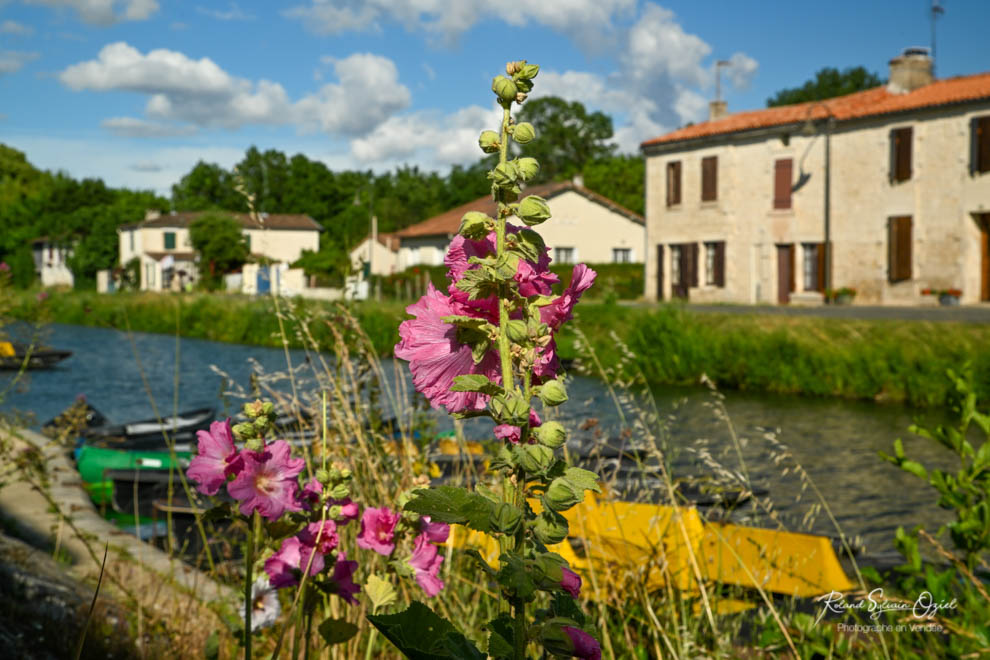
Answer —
(243, 431)
(340, 491)
(556, 640)
(562, 495)
(261, 425)
(346, 474)
(253, 409)
(550, 434)
(504, 88)
(527, 71)
(335, 512)
(520, 97)
(488, 142)
(533, 210)
(323, 476)
(524, 133)
(553, 393)
(550, 528)
(254, 444)
(504, 174)
(334, 473)
(505, 518)
(474, 225)
(527, 168)
(517, 331)
(512, 67)
(534, 459)
(510, 408)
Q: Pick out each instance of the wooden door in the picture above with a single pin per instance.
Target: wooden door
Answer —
(659, 272)
(785, 273)
(983, 220)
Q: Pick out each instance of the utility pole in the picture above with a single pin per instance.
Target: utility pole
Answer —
(718, 77)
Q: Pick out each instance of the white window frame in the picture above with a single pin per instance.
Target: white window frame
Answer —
(626, 252)
(560, 252)
(710, 264)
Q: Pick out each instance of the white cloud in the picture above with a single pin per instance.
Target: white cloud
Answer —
(741, 70)
(134, 127)
(146, 166)
(234, 13)
(13, 27)
(589, 22)
(11, 61)
(201, 93)
(104, 12)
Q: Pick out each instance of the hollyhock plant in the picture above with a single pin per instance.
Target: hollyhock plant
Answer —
(586, 647)
(571, 582)
(378, 530)
(216, 460)
(513, 433)
(348, 510)
(284, 566)
(426, 562)
(267, 483)
(343, 578)
(436, 532)
(324, 541)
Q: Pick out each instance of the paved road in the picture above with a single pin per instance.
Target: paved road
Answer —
(965, 314)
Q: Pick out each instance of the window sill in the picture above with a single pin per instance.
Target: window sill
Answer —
(709, 205)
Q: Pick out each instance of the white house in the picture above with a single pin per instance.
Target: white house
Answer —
(584, 227)
(51, 262)
(162, 245)
(736, 206)
(381, 254)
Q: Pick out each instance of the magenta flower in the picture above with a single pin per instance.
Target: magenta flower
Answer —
(348, 510)
(309, 496)
(426, 561)
(4, 268)
(328, 539)
(436, 357)
(268, 481)
(436, 532)
(571, 582)
(343, 577)
(534, 281)
(285, 566)
(560, 310)
(217, 458)
(513, 433)
(585, 646)
(377, 530)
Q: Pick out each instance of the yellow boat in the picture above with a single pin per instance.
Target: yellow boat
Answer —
(614, 544)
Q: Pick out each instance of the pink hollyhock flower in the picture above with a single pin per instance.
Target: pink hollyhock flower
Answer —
(343, 577)
(571, 582)
(436, 357)
(436, 532)
(285, 566)
(533, 281)
(513, 433)
(4, 268)
(585, 646)
(216, 459)
(348, 510)
(309, 496)
(328, 538)
(268, 481)
(426, 561)
(377, 529)
(560, 310)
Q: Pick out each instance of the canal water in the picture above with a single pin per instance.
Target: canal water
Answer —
(781, 439)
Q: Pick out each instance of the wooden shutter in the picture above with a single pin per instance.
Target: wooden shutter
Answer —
(899, 248)
(782, 172)
(674, 183)
(709, 179)
(692, 250)
(900, 154)
(979, 156)
(720, 264)
(659, 272)
(793, 283)
(820, 284)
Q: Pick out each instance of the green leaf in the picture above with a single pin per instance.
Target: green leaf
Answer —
(505, 518)
(529, 245)
(583, 479)
(211, 651)
(471, 322)
(500, 641)
(514, 577)
(478, 283)
(475, 383)
(915, 468)
(222, 511)
(420, 634)
(453, 505)
(337, 631)
(380, 591)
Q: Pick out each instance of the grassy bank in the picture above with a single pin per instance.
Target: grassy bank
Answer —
(895, 361)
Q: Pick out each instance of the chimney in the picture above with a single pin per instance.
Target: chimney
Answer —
(717, 109)
(578, 180)
(909, 71)
(152, 214)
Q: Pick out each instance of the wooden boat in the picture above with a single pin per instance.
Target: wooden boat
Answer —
(15, 355)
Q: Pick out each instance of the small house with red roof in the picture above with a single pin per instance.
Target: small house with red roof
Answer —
(584, 226)
(893, 182)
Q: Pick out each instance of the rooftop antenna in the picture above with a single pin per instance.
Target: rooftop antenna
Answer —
(718, 77)
(936, 11)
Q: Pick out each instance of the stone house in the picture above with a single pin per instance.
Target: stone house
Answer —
(381, 253)
(736, 206)
(167, 260)
(584, 226)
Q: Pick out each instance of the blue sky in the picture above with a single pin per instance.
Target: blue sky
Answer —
(136, 91)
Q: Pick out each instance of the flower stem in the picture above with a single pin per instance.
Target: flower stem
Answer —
(248, 584)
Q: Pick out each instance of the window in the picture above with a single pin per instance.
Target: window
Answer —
(899, 248)
(782, 183)
(170, 240)
(675, 264)
(979, 156)
(130, 235)
(674, 183)
(814, 266)
(563, 255)
(709, 179)
(715, 263)
(413, 256)
(900, 154)
(621, 255)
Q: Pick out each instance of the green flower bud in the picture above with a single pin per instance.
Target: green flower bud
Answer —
(323, 476)
(334, 473)
(340, 491)
(553, 393)
(489, 142)
(527, 168)
(261, 425)
(524, 86)
(504, 174)
(517, 331)
(268, 408)
(510, 409)
(504, 88)
(253, 409)
(550, 528)
(555, 639)
(505, 518)
(524, 133)
(243, 431)
(562, 495)
(534, 459)
(528, 71)
(335, 511)
(346, 474)
(547, 571)
(551, 434)
(533, 210)
(254, 444)
(475, 225)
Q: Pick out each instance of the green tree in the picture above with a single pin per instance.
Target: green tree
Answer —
(568, 136)
(207, 187)
(221, 245)
(621, 178)
(827, 83)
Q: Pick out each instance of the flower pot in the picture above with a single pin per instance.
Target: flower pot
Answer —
(946, 299)
(843, 299)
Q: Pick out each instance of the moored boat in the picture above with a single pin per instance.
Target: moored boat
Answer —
(16, 355)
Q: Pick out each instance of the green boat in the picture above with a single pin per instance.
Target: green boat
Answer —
(95, 463)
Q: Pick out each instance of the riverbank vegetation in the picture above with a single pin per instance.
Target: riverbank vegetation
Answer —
(885, 361)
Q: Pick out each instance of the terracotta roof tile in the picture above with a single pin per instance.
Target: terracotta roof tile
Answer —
(870, 102)
(449, 222)
(271, 221)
